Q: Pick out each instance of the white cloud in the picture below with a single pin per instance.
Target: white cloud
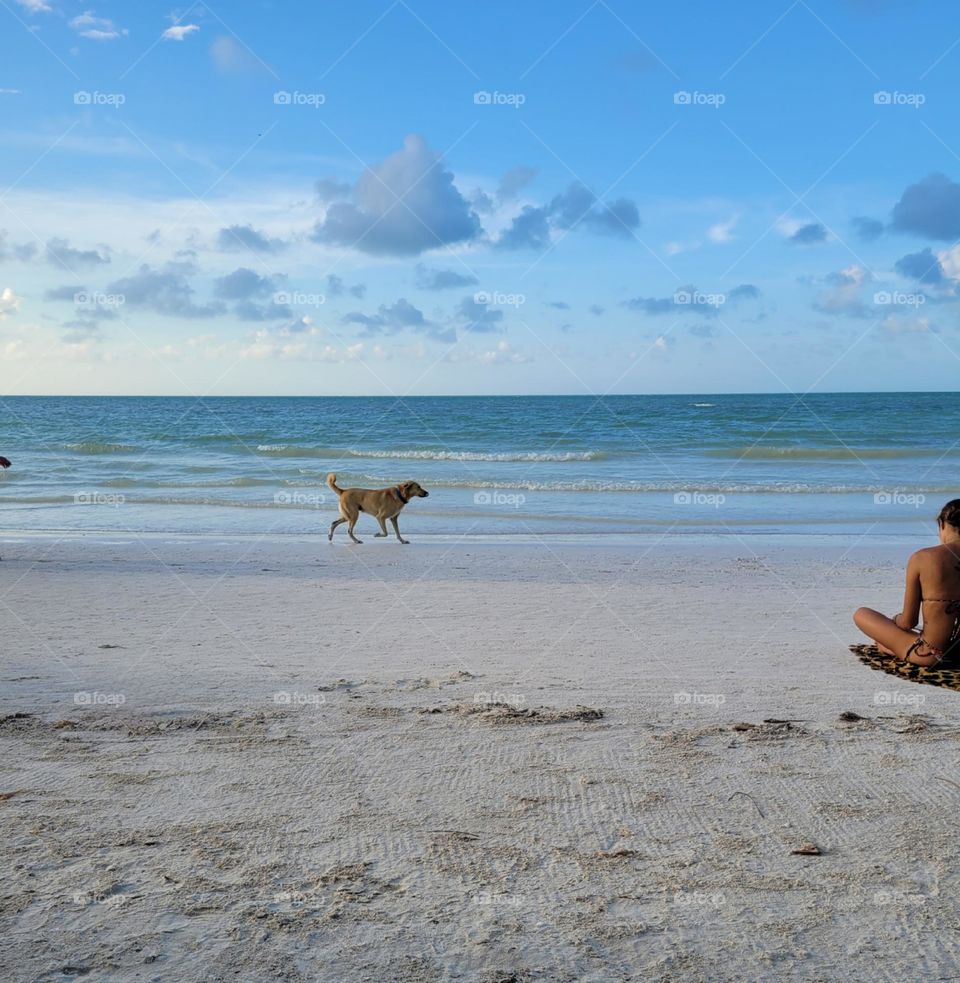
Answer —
(231, 57)
(35, 6)
(88, 25)
(502, 354)
(402, 206)
(950, 262)
(903, 324)
(179, 31)
(844, 293)
(9, 92)
(9, 303)
(721, 231)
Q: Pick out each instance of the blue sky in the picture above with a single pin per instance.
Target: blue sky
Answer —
(416, 197)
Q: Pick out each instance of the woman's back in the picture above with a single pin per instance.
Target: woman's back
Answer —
(939, 572)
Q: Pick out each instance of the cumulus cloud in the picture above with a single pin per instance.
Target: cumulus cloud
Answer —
(576, 207)
(478, 316)
(528, 230)
(179, 31)
(166, 291)
(88, 25)
(235, 237)
(923, 266)
(429, 279)
(744, 291)
(403, 206)
(35, 6)
(9, 303)
(20, 251)
(929, 208)
(241, 284)
(807, 235)
(844, 293)
(391, 318)
(867, 229)
(61, 253)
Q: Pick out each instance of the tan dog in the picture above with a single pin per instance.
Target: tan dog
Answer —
(381, 503)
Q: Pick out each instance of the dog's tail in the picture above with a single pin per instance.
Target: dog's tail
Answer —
(332, 482)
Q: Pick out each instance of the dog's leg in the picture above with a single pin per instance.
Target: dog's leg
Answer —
(352, 522)
(383, 527)
(396, 529)
(333, 525)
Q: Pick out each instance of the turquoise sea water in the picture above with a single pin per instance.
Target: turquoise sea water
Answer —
(866, 463)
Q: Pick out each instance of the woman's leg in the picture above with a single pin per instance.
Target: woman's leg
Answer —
(890, 638)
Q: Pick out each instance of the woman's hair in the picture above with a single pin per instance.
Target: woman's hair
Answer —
(950, 514)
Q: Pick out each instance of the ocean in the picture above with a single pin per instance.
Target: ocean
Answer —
(854, 463)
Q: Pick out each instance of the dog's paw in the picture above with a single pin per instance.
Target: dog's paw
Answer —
(406, 542)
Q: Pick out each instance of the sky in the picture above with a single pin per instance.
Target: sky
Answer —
(398, 198)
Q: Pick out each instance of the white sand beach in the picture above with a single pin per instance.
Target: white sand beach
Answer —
(466, 760)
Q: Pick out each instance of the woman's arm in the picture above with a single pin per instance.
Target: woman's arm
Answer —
(912, 598)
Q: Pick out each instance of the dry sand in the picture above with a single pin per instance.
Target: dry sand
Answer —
(254, 759)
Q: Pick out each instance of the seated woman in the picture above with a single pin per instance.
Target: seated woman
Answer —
(933, 588)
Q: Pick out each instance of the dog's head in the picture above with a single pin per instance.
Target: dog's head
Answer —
(410, 489)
